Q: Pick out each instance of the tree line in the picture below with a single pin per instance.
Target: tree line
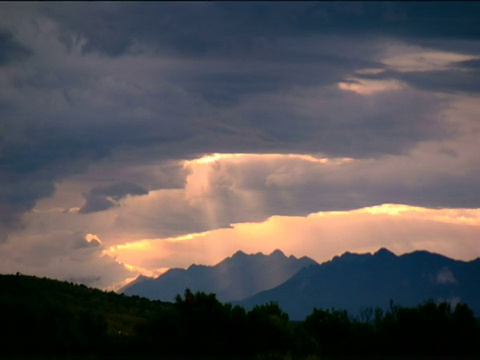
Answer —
(52, 318)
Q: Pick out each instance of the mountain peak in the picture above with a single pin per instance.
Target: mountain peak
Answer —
(139, 279)
(277, 253)
(239, 253)
(234, 278)
(384, 252)
(242, 255)
(142, 277)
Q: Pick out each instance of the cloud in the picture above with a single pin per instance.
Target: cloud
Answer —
(321, 236)
(103, 198)
(252, 187)
(49, 108)
(65, 255)
(445, 276)
(407, 58)
(51, 134)
(331, 107)
(11, 50)
(422, 67)
(231, 29)
(219, 190)
(17, 195)
(92, 240)
(451, 81)
(469, 64)
(223, 189)
(368, 87)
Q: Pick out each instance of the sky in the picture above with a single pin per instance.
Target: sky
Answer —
(141, 136)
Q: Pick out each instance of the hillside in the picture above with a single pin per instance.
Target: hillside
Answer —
(45, 313)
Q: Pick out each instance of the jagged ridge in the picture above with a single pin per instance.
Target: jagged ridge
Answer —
(234, 278)
(354, 281)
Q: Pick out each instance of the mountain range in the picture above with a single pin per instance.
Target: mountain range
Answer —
(235, 278)
(350, 281)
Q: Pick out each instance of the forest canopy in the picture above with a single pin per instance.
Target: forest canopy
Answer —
(53, 318)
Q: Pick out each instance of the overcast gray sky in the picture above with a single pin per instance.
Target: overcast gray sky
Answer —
(138, 136)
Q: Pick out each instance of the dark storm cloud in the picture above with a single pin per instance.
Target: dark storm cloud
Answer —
(470, 64)
(344, 124)
(18, 194)
(414, 21)
(456, 78)
(233, 29)
(11, 50)
(29, 171)
(103, 198)
(284, 69)
(177, 80)
(451, 81)
(113, 28)
(254, 32)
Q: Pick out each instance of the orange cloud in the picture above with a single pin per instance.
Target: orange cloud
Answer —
(370, 87)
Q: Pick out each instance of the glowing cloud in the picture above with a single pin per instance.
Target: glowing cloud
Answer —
(321, 235)
(370, 87)
(93, 239)
(408, 58)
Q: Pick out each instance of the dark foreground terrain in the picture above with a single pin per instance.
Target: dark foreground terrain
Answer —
(48, 319)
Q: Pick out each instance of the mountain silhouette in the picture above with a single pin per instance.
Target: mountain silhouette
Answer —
(356, 281)
(234, 278)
